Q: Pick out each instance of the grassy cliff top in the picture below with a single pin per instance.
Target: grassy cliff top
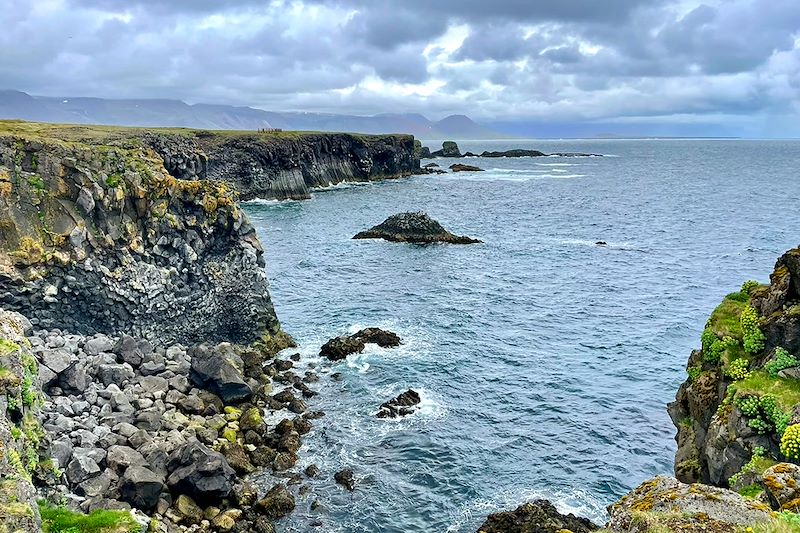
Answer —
(116, 135)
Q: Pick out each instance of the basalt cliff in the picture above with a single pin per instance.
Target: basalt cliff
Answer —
(738, 411)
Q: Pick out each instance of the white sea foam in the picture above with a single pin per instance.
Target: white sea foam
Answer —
(575, 501)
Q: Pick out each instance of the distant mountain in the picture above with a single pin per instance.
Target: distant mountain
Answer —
(175, 113)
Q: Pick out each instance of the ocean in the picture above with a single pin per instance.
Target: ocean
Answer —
(544, 361)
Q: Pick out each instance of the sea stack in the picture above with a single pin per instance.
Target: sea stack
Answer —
(417, 228)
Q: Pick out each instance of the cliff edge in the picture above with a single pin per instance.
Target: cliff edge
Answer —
(97, 236)
(738, 412)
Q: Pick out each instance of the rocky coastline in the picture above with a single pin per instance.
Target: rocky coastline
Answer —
(450, 149)
(141, 356)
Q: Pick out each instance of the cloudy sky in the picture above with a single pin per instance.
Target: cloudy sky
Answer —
(720, 66)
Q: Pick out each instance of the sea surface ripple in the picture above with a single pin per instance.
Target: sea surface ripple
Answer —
(544, 361)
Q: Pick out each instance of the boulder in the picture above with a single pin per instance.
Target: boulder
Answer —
(237, 457)
(188, 511)
(539, 516)
(81, 468)
(339, 348)
(381, 337)
(459, 167)
(220, 370)
(140, 487)
(346, 478)
(200, 472)
(119, 458)
(277, 503)
(665, 498)
(416, 228)
(782, 485)
(403, 405)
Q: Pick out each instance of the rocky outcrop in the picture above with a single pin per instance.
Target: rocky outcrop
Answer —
(402, 405)
(538, 516)
(465, 168)
(23, 445)
(97, 236)
(665, 504)
(733, 411)
(284, 165)
(449, 149)
(339, 348)
(417, 228)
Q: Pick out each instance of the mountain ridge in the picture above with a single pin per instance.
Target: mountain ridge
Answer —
(177, 113)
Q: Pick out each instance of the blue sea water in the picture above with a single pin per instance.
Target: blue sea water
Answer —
(544, 361)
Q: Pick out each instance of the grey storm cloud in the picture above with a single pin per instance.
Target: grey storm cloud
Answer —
(505, 60)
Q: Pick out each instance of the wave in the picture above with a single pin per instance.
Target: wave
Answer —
(571, 501)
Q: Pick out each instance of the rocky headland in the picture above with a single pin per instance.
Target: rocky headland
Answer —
(416, 228)
(138, 344)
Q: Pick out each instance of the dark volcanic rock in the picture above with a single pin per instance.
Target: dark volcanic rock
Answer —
(539, 516)
(219, 370)
(458, 167)
(449, 149)
(201, 473)
(402, 405)
(339, 348)
(416, 228)
(277, 503)
(515, 153)
(141, 487)
(346, 478)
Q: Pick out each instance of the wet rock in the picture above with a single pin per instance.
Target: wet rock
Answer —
(220, 370)
(417, 228)
(340, 347)
(459, 167)
(539, 516)
(188, 511)
(312, 471)
(284, 461)
(277, 503)
(141, 487)
(403, 405)
(346, 478)
(237, 457)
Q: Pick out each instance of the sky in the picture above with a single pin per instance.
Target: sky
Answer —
(727, 67)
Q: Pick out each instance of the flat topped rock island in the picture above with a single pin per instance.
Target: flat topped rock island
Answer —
(417, 228)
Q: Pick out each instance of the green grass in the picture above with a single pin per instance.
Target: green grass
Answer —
(787, 391)
(62, 520)
(724, 321)
(130, 137)
(751, 491)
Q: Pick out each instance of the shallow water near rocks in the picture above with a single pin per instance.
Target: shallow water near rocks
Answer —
(544, 361)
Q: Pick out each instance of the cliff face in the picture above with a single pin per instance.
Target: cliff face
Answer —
(284, 165)
(97, 236)
(737, 412)
(22, 440)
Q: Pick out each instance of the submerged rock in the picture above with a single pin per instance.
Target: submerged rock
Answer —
(416, 228)
(339, 348)
(346, 478)
(458, 167)
(515, 153)
(402, 405)
(539, 516)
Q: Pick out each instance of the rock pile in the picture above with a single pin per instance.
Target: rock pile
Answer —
(403, 405)
(170, 431)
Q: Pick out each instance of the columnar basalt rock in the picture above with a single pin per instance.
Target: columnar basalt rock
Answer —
(97, 236)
